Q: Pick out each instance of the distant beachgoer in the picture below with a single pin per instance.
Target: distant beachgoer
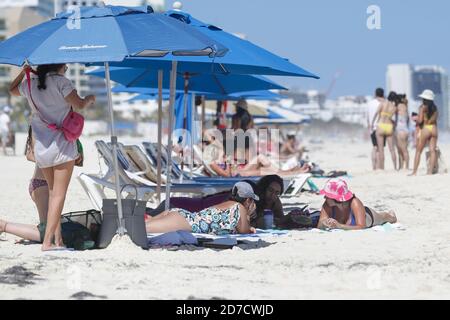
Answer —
(402, 131)
(229, 217)
(5, 127)
(51, 99)
(372, 110)
(428, 115)
(385, 129)
(242, 119)
(343, 210)
(289, 148)
(416, 131)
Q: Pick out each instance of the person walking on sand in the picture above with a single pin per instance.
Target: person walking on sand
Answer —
(385, 129)
(372, 110)
(427, 120)
(343, 210)
(51, 97)
(5, 127)
(402, 131)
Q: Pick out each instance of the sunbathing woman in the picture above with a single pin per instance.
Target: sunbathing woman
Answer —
(229, 217)
(428, 133)
(343, 210)
(246, 165)
(385, 129)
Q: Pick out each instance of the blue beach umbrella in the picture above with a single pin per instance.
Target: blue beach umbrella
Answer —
(103, 35)
(243, 56)
(224, 84)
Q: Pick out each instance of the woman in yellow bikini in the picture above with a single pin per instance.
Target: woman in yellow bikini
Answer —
(385, 129)
(428, 115)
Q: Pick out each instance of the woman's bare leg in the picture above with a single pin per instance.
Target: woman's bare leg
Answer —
(402, 139)
(390, 141)
(380, 142)
(40, 197)
(24, 231)
(380, 218)
(433, 155)
(419, 148)
(167, 222)
(58, 179)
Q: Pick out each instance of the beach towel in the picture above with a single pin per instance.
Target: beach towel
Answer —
(387, 227)
(172, 238)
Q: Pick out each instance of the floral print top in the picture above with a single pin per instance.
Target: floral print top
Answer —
(212, 220)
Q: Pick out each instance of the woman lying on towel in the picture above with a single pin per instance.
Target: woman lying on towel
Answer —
(343, 210)
(229, 217)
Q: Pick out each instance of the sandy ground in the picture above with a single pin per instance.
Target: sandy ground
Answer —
(414, 263)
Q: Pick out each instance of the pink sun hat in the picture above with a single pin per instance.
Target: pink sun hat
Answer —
(337, 189)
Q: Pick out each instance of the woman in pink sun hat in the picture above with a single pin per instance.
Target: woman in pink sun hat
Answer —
(343, 210)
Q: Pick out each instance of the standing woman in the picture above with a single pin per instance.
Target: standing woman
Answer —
(385, 129)
(428, 115)
(402, 131)
(51, 96)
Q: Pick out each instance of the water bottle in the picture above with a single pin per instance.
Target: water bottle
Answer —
(268, 219)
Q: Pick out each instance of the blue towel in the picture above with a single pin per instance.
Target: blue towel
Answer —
(173, 238)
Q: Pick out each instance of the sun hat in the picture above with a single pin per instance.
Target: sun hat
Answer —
(337, 189)
(427, 95)
(244, 190)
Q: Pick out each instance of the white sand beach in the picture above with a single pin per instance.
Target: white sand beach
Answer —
(413, 263)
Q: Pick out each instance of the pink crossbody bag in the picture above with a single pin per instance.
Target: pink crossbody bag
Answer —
(72, 125)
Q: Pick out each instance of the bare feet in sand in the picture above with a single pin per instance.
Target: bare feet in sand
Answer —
(391, 217)
(3, 224)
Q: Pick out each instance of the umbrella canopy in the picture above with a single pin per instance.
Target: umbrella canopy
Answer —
(212, 83)
(104, 34)
(152, 94)
(243, 57)
(256, 95)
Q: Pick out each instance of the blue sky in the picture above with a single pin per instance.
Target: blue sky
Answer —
(329, 36)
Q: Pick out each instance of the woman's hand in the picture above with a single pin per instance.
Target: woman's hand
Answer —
(331, 223)
(252, 230)
(90, 100)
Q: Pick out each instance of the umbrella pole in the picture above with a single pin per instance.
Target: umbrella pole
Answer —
(160, 100)
(203, 111)
(173, 83)
(185, 106)
(121, 228)
(193, 113)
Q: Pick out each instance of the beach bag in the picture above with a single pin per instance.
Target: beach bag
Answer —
(80, 229)
(133, 215)
(73, 123)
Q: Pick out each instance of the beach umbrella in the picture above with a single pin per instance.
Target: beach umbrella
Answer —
(281, 116)
(224, 84)
(152, 94)
(243, 56)
(107, 34)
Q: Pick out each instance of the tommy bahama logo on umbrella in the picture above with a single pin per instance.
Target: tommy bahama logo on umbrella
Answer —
(83, 47)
